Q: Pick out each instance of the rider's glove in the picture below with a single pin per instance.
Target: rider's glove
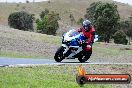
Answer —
(82, 42)
(90, 43)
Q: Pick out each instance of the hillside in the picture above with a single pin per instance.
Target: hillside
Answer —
(17, 43)
(63, 7)
(29, 44)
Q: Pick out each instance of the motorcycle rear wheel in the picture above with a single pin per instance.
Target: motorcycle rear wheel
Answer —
(59, 54)
(83, 58)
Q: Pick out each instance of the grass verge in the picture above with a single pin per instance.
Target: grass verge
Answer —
(42, 77)
(21, 55)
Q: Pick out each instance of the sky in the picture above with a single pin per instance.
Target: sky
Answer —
(123, 1)
(17, 1)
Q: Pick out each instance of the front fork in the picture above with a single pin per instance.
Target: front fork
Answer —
(65, 48)
(67, 51)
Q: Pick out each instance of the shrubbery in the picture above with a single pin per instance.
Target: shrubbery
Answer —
(120, 38)
(80, 21)
(48, 24)
(21, 20)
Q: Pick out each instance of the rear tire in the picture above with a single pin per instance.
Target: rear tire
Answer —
(59, 54)
(84, 57)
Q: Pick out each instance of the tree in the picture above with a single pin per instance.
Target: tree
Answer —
(105, 18)
(21, 20)
(48, 24)
(126, 26)
(120, 38)
(91, 11)
(129, 32)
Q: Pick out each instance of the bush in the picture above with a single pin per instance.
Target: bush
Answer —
(49, 1)
(48, 24)
(43, 13)
(120, 38)
(80, 21)
(27, 1)
(21, 20)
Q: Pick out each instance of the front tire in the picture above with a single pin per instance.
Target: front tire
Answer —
(84, 57)
(59, 54)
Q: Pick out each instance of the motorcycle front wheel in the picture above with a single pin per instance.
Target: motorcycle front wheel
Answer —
(59, 54)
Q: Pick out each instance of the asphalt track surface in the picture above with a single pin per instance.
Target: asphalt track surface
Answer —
(6, 61)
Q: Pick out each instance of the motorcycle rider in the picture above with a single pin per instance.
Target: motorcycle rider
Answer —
(88, 32)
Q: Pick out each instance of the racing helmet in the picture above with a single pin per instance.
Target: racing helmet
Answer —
(86, 25)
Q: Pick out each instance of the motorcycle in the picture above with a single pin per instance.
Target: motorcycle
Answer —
(73, 44)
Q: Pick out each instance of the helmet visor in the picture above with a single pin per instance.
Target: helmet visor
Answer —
(87, 28)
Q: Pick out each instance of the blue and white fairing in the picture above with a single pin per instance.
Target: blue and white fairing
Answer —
(70, 40)
(72, 37)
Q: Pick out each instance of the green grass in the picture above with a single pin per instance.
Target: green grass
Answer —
(106, 51)
(42, 77)
(130, 52)
(11, 54)
(49, 39)
(21, 55)
(110, 50)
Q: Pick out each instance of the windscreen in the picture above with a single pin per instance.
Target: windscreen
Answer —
(73, 33)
